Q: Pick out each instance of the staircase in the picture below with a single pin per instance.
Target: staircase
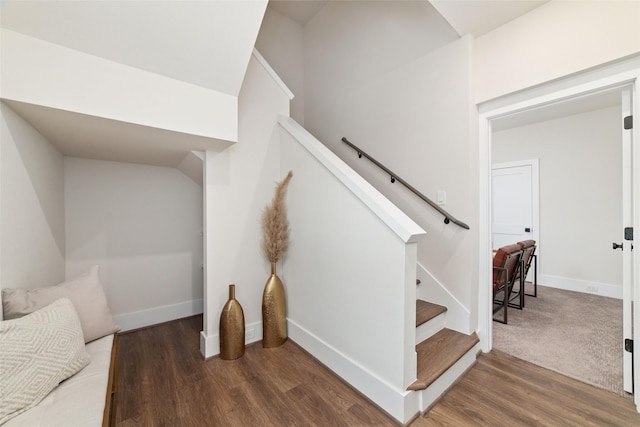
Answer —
(443, 354)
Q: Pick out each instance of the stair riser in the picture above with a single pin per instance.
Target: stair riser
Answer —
(439, 387)
(430, 328)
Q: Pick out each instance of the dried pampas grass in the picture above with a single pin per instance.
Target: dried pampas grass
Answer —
(275, 224)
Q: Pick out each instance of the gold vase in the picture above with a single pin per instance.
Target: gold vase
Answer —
(231, 328)
(274, 312)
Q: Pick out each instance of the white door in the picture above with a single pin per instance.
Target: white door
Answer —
(626, 241)
(514, 202)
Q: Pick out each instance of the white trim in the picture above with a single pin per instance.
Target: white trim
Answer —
(210, 345)
(617, 75)
(272, 73)
(578, 285)
(635, 292)
(403, 226)
(627, 250)
(153, 316)
(400, 404)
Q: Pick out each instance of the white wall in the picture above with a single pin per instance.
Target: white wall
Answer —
(142, 225)
(32, 208)
(580, 195)
(414, 115)
(347, 240)
(554, 40)
(347, 44)
(280, 41)
(239, 183)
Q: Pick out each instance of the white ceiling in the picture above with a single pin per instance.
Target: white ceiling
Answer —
(205, 43)
(301, 11)
(163, 37)
(474, 17)
(84, 136)
(151, 35)
(479, 17)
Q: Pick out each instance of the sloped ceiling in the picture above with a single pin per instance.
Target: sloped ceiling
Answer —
(479, 17)
(90, 137)
(205, 43)
(474, 17)
(300, 11)
(163, 37)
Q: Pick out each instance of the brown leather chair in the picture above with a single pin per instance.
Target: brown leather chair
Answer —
(529, 257)
(506, 264)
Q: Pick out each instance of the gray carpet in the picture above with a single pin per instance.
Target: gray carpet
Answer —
(578, 335)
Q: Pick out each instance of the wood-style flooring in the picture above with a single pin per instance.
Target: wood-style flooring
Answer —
(164, 381)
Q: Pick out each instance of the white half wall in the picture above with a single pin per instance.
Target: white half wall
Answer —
(580, 196)
(32, 210)
(350, 274)
(554, 40)
(238, 183)
(142, 225)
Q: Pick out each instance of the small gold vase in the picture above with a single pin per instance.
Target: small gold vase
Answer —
(231, 328)
(274, 312)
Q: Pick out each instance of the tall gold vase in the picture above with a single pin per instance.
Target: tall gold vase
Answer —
(274, 312)
(231, 328)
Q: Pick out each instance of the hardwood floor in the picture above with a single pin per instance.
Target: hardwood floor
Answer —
(164, 381)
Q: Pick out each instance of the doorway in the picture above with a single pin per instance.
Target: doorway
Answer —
(580, 154)
(516, 108)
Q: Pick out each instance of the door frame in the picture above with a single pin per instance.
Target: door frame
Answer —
(617, 75)
(535, 193)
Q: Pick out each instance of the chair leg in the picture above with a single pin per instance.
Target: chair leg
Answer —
(503, 305)
(520, 294)
(535, 277)
(506, 303)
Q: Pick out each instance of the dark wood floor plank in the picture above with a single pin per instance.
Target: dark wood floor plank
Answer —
(503, 390)
(164, 381)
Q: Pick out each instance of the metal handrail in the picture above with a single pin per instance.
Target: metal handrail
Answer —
(394, 177)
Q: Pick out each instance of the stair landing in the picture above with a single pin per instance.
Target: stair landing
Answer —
(438, 353)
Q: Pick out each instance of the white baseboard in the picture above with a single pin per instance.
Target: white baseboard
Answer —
(584, 286)
(210, 344)
(400, 404)
(153, 316)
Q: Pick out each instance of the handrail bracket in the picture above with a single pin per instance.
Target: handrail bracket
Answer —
(447, 217)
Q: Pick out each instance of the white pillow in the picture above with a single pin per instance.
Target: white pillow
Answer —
(38, 351)
(86, 294)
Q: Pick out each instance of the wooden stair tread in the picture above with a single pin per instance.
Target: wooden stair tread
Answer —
(439, 353)
(426, 311)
